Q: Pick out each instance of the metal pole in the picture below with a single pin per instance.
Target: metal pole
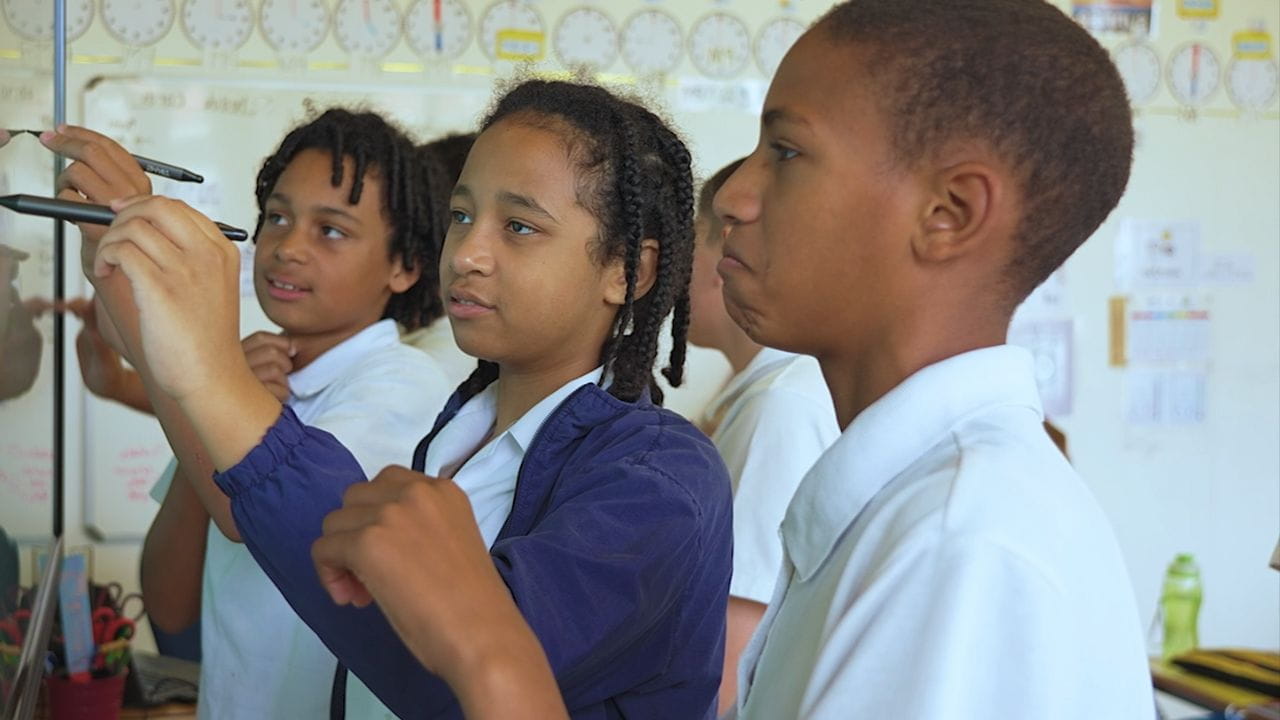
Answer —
(59, 270)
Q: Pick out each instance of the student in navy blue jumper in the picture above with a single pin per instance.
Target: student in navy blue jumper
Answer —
(571, 243)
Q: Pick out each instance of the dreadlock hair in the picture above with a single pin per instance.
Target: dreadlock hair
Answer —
(634, 177)
(451, 152)
(1019, 76)
(415, 196)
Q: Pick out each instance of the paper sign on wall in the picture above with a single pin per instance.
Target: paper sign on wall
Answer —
(1168, 329)
(1157, 253)
(1165, 397)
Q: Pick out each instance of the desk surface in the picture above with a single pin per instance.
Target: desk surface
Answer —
(1210, 693)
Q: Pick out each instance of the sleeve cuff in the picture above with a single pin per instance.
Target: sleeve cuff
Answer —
(276, 449)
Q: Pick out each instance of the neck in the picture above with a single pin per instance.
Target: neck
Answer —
(519, 389)
(739, 349)
(859, 376)
(311, 346)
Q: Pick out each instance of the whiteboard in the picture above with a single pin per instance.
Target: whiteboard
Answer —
(26, 422)
(222, 131)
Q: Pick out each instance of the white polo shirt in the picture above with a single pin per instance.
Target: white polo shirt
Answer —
(378, 397)
(770, 423)
(437, 341)
(943, 560)
(487, 475)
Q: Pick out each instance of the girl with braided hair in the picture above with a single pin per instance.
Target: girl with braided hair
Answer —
(607, 518)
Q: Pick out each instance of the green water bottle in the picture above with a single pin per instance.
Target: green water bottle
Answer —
(1180, 605)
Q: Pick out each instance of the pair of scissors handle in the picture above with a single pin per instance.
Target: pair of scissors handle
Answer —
(109, 626)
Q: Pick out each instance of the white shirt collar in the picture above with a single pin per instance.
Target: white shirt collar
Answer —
(763, 363)
(522, 430)
(337, 360)
(893, 432)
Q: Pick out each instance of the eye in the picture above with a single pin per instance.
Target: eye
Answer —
(459, 217)
(332, 233)
(275, 218)
(783, 152)
(520, 228)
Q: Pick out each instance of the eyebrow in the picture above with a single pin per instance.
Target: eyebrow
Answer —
(320, 210)
(773, 116)
(527, 202)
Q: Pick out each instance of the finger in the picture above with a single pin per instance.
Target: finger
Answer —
(330, 553)
(100, 149)
(270, 339)
(81, 307)
(274, 382)
(107, 168)
(280, 391)
(187, 228)
(144, 236)
(4, 137)
(270, 368)
(138, 267)
(38, 306)
(351, 517)
(89, 183)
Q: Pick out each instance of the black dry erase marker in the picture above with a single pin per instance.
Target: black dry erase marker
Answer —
(81, 212)
(154, 167)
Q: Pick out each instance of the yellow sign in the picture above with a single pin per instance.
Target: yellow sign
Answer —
(1198, 9)
(1251, 45)
(520, 45)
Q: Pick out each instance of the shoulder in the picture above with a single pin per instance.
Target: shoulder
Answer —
(645, 449)
(997, 485)
(793, 394)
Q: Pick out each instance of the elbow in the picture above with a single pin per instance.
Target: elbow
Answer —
(172, 621)
(227, 526)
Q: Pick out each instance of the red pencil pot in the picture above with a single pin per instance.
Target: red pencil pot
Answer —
(98, 699)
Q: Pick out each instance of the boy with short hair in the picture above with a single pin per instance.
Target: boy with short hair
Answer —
(923, 164)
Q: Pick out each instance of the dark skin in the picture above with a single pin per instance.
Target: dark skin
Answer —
(834, 249)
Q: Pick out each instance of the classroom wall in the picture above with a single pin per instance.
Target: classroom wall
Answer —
(1204, 479)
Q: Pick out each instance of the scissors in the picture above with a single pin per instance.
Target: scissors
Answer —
(112, 596)
(109, 626)
(112, 657)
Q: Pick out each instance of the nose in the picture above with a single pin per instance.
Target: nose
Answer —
(292, 247)
(468, 250)
(738, 200)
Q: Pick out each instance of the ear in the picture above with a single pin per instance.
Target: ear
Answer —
(401, 279)
(967, 202)
(646, 274)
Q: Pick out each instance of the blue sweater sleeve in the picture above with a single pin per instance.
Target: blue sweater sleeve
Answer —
(598, 575)
(280, 494)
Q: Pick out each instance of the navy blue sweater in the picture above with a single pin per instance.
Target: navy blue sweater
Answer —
(618, 551)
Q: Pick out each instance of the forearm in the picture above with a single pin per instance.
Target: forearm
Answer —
(502, 670)
(513, 681)
(195, 469)
(173, 558)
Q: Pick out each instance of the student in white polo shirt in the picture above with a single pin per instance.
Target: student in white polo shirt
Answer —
(770, 422)
(347, 247)
(922, 166)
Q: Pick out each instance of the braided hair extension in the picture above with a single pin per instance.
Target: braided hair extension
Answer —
(415, 196)
(634, 176)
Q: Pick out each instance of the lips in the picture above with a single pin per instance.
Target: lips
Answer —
(464, 304)
(282, 288)
(730, 262)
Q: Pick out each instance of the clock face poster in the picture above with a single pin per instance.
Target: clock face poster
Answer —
(1115, 17)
